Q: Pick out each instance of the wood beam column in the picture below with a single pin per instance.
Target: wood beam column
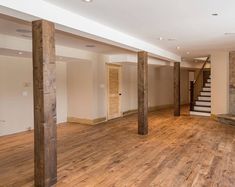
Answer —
(44, 77)
(176, 88)
(142, 93)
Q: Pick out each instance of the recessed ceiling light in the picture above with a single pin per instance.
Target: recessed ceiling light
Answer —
(178, 47)
(214, 14)
(87, 1)
(188, 53)
(20, 53)
(160, 38)
(90, 46)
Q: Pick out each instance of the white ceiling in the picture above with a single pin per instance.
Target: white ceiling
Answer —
(188, 21)
(11, 26)
(73, 23)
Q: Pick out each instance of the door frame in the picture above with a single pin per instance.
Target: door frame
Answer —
(120, 89)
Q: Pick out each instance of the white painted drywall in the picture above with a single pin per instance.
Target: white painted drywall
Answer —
(61, 92)
(16, 95)
(99, 86)
(79, 84)
(81, 90)
(160, 80)
(87, 88)
(220, 82)
(184, 86)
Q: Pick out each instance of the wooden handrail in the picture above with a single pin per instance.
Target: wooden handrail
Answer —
(201, 70)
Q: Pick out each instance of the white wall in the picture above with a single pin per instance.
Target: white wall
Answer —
(220, 83)
(160, 84)
(81, 90)
(184, 86)
(87, 88)
(163, 92)
(129, 86)
(99, 87)
(16, 110)
(61, 92)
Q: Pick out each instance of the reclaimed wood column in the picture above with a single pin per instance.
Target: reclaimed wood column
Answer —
(142, 93)
(176, 88)
(44, 85)
(232, 82)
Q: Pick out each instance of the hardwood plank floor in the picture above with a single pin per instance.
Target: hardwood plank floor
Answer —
(179, 151)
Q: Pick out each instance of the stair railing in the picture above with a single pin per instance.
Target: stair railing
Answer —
(194, 83)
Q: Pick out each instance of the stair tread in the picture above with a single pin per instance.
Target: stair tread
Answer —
(200, 111)
(203, 101)
(202, 106)
(200, 114)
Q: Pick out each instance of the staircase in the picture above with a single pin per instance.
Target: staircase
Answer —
(202, 106)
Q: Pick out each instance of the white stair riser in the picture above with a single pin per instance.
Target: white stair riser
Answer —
(204, 98)
(206, 93)
(201, 103)
(199, 113)
(206, 89)
(202, 106)
(208, 84)
(206, 109)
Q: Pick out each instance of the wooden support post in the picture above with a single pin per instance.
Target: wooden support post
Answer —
(44, 85)
(191, 95)
(142, 93)
(177, 88)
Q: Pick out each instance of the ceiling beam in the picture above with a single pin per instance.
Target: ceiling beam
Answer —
(73, 23)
